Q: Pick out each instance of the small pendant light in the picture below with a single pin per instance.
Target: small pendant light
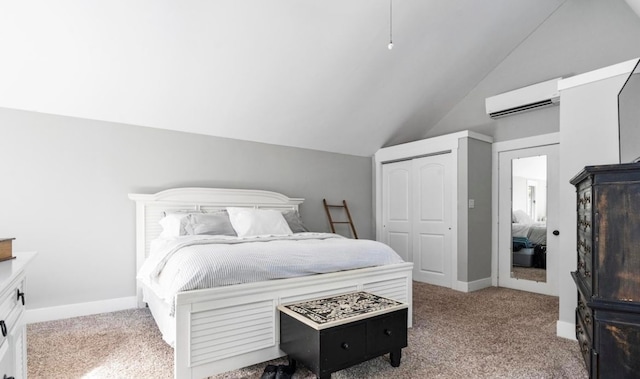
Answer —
(390, 45)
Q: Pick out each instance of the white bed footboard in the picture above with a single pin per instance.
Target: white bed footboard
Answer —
(227, 328)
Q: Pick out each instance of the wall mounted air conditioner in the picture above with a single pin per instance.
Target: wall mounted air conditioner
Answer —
(524, 99)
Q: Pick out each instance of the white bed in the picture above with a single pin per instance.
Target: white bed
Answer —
(524, 226)
(225, 328)
(536, 232)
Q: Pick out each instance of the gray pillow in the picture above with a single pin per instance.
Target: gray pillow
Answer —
(295, 222)
(216, 223)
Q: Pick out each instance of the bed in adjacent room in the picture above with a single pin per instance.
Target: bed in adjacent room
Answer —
(529, 240)
(524, 226)
(213, 264)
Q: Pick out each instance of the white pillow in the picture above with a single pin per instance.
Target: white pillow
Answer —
(173, 223)
(257, 222)
(522, 217)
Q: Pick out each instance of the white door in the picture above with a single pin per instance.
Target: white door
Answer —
(432, 204)
(396, 207)
(527, 210)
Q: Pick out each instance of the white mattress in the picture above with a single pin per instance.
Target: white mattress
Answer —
(197, 262)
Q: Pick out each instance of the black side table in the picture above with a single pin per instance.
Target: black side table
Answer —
(334, 333)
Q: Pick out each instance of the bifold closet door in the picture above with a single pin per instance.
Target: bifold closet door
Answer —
(416, 214)
(396, 204)
(432, 200)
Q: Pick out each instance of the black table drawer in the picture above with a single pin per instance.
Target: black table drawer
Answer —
(387, 333)
(341, 345)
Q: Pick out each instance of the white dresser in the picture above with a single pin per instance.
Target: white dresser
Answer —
(13, 338)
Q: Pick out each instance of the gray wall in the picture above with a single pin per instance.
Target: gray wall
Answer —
(463, 211)
(65, 183)
(588, 136)
(582, 35)
(479, 235)
(629, 115)
(474, 224)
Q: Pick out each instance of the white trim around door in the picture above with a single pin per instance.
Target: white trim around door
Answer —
(497, 148)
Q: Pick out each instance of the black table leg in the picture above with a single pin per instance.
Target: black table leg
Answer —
(395, 357)
(292, 364)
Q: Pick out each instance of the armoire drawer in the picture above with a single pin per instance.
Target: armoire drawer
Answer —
(585, 185)
(585, 223)
(585, 315)
(584, 245)
(584, 272)
(584, 199)
(584, 341)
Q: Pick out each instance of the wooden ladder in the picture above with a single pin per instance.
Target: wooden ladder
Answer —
(332, 223)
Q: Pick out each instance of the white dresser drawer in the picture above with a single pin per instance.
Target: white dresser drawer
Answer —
(9, 297)
(6, 365)
(10, 308)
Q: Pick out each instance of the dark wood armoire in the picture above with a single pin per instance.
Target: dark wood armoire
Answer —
(608, 269)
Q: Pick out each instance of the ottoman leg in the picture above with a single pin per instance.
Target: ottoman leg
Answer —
(292, 364)
(395, 357)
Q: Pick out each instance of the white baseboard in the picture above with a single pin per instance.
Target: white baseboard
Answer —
(566, 330)
(80, 309)
(475, 285)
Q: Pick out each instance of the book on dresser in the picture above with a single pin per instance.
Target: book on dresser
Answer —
(608, 269)
(6, 251)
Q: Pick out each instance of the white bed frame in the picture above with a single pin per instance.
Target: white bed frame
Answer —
(226, 328)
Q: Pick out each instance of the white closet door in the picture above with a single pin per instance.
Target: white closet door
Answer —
(432, 187)
(396, 204)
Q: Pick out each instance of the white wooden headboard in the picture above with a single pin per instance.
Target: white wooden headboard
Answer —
(150, 208)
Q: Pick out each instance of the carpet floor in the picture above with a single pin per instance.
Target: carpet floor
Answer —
(491, 333)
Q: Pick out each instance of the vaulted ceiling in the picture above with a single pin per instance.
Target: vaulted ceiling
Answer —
(312, 74)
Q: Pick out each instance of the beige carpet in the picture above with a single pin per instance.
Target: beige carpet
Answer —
(492, 333)
(529, 273)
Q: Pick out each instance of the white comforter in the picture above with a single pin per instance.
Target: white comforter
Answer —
(196, 262)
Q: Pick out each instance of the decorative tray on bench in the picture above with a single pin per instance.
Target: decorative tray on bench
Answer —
(337, 310)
